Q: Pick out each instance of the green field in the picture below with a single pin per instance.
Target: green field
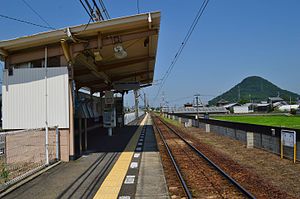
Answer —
(280, 121)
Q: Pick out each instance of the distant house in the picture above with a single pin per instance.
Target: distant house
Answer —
(250, 106)
(273, 100)
(262, 107)
(276, 102)
(288, 108)
(230, 106)
(279, 104)
(240, 109)
(222, 102)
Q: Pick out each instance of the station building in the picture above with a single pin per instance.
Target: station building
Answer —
(45, 72)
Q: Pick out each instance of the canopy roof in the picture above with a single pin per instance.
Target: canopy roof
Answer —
(89, 50)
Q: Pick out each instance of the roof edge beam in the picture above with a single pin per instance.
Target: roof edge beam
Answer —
(35, 54)
(3, 54)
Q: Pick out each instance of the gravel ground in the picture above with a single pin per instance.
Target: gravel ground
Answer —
(281, 174)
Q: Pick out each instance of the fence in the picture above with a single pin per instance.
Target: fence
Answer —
(259, 136)
(24, 152)
(129, 117)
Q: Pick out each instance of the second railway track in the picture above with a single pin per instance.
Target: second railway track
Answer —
(200, 177)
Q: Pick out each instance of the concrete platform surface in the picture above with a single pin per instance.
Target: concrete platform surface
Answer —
(80, 178)
(151, 179)
(105, 169)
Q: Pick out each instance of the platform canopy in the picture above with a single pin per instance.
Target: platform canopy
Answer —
(115, 54)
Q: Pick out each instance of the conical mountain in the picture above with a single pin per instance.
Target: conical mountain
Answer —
(254, 89)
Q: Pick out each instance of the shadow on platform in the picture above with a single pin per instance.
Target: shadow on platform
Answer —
(99, 141)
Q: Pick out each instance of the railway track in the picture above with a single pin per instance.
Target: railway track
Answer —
(199, 176)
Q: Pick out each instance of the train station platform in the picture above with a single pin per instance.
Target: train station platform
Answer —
(126, 165)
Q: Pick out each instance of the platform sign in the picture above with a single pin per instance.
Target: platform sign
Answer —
(288, 138)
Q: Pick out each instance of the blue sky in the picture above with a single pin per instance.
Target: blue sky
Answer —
(234, 39)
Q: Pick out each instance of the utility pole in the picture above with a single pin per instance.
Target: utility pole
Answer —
(197, 104)
(136, 103)
(163, 102)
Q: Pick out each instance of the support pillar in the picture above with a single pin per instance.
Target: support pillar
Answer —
(250, 139)
(190, 122)
(179, 120)
(71, 118)
(80, 135)
(136, 103)
(207, 128)
(85, 135)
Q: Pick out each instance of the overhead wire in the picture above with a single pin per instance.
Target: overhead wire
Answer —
(86, 9)
(89, 6)
(35, 12)
(26, 22)
(98, 10)
(191, 29)
(101, 12)
(183, 44)
(105, 11)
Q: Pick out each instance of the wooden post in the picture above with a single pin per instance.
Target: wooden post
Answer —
(207, 128)
(250, 139)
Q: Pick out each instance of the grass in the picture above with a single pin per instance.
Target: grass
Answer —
(280, 121)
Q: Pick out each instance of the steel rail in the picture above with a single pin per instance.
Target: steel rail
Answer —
(182, 181)
(223, 173)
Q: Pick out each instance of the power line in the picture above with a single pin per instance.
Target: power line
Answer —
(183, 44)
(26, 22)
(101, 12)
(98, 10)
(88, 12)
(104, 10)
(191, 29)
(31, 8)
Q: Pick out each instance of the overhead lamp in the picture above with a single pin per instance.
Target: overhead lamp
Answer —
(98, 56)
(120, 52)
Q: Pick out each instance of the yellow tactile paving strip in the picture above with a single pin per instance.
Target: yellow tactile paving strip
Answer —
(112, 184)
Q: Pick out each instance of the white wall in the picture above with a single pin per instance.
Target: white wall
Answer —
(24, 96)
(240, 109)
(129, 117)
(288, 107)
